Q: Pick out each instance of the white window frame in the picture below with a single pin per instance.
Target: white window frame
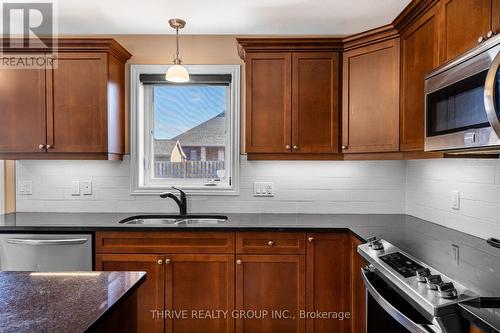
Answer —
(139, 119)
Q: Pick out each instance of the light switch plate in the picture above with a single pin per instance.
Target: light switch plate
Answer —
(75, 188)
(455, 203)
(263, 189)
(86, 187)
(25, 187)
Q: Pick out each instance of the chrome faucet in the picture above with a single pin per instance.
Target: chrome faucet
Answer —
(181, 201)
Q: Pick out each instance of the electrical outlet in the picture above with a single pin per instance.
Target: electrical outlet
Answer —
(25, 187)
(455, 250)
(263, 189)
(455, 203)
(75, 188)
(86, 187)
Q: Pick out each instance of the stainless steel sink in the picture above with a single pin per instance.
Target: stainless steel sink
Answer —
(175, 219)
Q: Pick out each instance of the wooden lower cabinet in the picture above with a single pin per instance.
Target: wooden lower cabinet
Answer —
(358, 293)
(327, 279)
(203, 286)
(272, 283)
(150, 299)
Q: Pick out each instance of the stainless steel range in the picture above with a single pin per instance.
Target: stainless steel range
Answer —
(406, 295)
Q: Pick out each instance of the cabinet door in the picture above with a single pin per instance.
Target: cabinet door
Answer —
(370, 109)
(203, 285)
(358, 296)
(268, 102)
(270, 283)
(495, 16)
(315, 102)
(77, 104)
(462, 23)
(22, 110)
(328, 256)
(150, 296)
(419, 51)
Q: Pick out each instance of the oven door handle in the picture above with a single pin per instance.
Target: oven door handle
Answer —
(390, 309)
(35, 242)
(489, 95)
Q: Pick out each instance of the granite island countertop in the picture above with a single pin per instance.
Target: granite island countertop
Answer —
(61, 302)
(478, 268)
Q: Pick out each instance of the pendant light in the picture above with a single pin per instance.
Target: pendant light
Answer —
(177, 73)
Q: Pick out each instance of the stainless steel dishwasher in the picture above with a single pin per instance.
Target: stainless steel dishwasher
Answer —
(45, 252)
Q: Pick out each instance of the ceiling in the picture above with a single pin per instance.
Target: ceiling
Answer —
(282, 17)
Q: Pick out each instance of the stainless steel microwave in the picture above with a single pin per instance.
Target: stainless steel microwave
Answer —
(462, 102)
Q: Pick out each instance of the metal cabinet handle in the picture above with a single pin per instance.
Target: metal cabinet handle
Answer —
(296, 147)
(270, 243)
(344, 147)
(167, 261)
(160, 261)
(489, 95)
(49, 147)
(238, 262)
(480, 39)
(41, 147)
(310, 239)
(29, 241)
(490, 34)
(287, 147)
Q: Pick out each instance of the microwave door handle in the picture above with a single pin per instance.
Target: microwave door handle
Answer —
(35, 242)
(390, 309)
(489, 95)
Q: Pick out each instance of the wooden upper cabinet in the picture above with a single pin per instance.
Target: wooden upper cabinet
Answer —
(200, 282)
(463, 22)
(77, 113)
(268, 102)
(150, 295)
(328, 284)
(315, 102)
(370, 106)
(419, 55)
(270, 282)
(495, 16)
(72, 109)
(22, 111)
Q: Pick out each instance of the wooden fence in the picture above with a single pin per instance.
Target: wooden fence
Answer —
(189, 169)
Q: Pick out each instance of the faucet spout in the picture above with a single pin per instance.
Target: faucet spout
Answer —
(181, 201)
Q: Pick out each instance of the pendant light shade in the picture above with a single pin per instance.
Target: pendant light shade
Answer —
(177, 73)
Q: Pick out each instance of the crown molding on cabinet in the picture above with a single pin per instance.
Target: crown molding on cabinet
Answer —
(412, 12)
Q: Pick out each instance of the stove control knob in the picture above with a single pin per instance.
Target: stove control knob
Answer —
(422, 273)
(433, 281)
(377, 245)
(447, 290)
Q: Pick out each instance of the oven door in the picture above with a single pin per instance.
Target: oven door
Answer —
(387, 311)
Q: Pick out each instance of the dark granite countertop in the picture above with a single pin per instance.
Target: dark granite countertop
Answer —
(61, 302)
(478, 268)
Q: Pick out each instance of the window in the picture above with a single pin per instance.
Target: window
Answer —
(185, 135)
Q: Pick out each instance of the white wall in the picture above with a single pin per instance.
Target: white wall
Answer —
(431, 182)
(300, 186)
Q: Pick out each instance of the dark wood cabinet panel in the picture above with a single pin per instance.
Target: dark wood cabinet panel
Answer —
(420, 54)
(315, 102)
(328, 256)
(200, 284)
(164, 242)
(22, 111)
(150, 296)
(495, 16)
(268, 102)
(270, 242)
(77, 104)
(462, 23)
(370, 110)
(270, 282)
(358, 293)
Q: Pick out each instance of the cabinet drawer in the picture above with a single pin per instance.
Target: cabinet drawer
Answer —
(164, 242)
(270, 242)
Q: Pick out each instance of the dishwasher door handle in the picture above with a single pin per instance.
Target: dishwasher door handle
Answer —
(35, 242)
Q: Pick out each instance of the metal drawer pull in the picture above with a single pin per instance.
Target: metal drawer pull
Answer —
(28, 241)
(41, 147)
(167, 261)
(270, 243)
(310, 239)
(238, 262)
(49, 147)
(287, 147)
(160, 261)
